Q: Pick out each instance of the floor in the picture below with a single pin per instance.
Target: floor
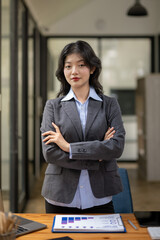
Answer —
(145, 196)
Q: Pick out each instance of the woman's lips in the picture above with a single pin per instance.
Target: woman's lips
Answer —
(75, 79)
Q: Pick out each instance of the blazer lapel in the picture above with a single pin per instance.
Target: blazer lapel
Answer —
(93, 109)
(71, 110)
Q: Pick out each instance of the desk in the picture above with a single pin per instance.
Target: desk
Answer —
(140, 234)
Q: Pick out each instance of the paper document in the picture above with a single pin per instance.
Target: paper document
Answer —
(88, 223)
(154, 232)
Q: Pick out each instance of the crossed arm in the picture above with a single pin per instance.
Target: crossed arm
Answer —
(57, 138)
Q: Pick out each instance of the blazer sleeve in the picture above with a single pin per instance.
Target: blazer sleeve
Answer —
(106, 149)
(52, 153)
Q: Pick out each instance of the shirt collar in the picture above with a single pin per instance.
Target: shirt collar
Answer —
(92, 94)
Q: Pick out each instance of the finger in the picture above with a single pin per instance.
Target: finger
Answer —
(47, 138)
(47, 133)
(110, 129)
(56, 127)
(111, 134)
(49, 141)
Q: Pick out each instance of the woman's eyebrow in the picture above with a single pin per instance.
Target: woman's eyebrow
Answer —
(81, 60)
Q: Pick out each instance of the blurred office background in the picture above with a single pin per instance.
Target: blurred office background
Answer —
(33, 32)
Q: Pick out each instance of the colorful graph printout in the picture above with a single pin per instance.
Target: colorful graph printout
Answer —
(88, 223)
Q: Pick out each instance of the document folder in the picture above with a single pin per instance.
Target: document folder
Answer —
(88, 223)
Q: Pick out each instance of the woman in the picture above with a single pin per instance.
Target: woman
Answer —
(82, 135)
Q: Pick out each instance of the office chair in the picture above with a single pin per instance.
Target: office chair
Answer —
(122, 202)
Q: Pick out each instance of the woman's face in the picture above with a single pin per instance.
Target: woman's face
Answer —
(76, 72)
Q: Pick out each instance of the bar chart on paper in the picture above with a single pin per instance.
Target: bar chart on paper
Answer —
(88, 223)
(77, 222)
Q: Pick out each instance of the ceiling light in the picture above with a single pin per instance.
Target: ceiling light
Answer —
(137, 10)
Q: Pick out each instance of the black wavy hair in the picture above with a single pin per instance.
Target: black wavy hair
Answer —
(90, 59)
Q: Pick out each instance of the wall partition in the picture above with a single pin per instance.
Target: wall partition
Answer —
(21, 104)
(5, 83)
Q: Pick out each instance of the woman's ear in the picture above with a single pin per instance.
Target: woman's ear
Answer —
(92, 70)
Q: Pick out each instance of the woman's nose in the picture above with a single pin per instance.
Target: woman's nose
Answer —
(74, 70)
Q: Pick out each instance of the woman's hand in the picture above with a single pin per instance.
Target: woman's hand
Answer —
(56, 137)
(110, 133)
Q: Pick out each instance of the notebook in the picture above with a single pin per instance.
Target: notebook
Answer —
(154, 232)
(25, 225)
(88, 223)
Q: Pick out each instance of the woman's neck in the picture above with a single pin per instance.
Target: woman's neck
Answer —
(81, 95)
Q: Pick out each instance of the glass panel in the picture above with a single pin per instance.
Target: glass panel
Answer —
(123, 61)
(20, 100)
(5, 83)
(31, 98)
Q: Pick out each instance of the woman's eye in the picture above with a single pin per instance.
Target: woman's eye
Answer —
(68, 67)
(82, 65)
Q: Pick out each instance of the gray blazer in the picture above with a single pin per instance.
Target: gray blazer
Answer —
(62, 173)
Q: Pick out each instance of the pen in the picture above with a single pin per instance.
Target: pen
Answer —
(132, 225)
